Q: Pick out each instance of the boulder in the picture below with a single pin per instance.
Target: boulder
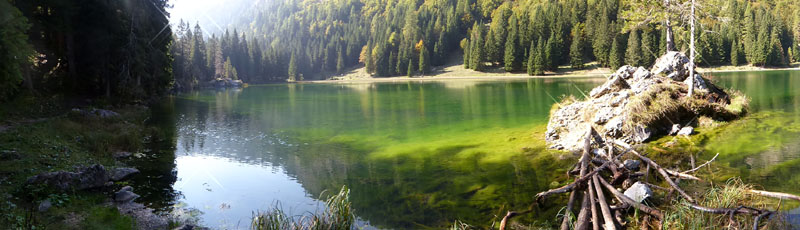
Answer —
(94, 176)
(122, 154)
(125, 195)
(638, 192)
(674, 65)
(699, 82)
(641, 133)
(626, 72)
(615, 83)
(686, 131)
(9, 155)
(613, 127)
(45, 205)
(144, 217)
(118, 174)
(641, 74)
(603, 115)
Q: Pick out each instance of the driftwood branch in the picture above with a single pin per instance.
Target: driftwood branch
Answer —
(702, 165)
(778, 195)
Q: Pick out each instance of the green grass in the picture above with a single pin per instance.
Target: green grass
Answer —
(43, 136)
(338, 215)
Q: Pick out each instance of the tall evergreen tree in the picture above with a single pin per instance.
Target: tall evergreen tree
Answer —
(293, 68)
(615, 58)
(539, 64)
(649, 48)
(633, 54)
(424, 61)
(576, 48)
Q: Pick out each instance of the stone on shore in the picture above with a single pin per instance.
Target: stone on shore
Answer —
(638, 192)
(118, 174)
(94, 176)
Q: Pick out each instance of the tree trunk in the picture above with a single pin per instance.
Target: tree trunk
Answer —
(691, 55)
(670, 42)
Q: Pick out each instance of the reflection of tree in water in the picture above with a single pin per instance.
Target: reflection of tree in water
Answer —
(157, 165)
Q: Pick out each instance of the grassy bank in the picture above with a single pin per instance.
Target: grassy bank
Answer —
(455, 71)
(42, 135)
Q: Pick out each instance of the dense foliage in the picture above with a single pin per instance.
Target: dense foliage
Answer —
(90, 48)
(317, 39)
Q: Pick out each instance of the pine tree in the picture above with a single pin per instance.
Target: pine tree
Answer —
(633, 53)
(539, 62)
(339, 62)
(477, 55)
(735, 53)
(532, 53)
(465, 47)
(293, 68)
(576, 48)
(615, 58)
(424, 61)
(649, 48)
(510, 60)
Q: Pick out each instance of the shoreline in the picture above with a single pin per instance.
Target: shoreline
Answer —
(446, 74)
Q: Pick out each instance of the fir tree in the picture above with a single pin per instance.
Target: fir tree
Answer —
(648, 55)
(735, 53)
(532, 53)
(633, 53)
(465, 47)
(424, 61)
(539, 63)
(293, 68)
(576, 48)
(615, 58)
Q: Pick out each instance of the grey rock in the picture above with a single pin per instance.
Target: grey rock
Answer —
(613, 127)
(675, 129)
(125, 195)
(686, 131)
(599, 152)
(638, 192)
(603, 115)
(118, 174)
(144, 217)
(699, 83)
(620, 98)
(45, 205)
(641, 74)
(673, 64)
(94, 176)
(632, 165)
(102, 113)
(614, 84)
(641, 134)
(626, 72)
(9, 155)
(122, 154)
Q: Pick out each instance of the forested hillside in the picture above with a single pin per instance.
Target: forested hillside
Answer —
(291, 39)
(86, 48)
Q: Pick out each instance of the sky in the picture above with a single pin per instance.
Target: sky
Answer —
(213, 15)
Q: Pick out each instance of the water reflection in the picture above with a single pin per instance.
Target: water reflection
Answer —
(240, 151)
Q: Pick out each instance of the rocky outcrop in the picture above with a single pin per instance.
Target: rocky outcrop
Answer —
(94, 176)
(83, 178)
(635, 105)
(100, 113)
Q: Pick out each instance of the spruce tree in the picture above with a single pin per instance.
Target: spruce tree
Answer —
(634, 51)
(339, 62)
(465, 47)
(410, 71)
(477, 55)
(550, 56)
(649, 48)
(510, 60)
(539, 63)
(532, 53)
(424, 61)
(576, 48)
(293, 68)
(735, 53)
(615, 58)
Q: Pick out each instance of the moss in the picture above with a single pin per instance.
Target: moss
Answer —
(101, 218)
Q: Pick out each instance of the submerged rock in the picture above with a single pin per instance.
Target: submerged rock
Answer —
(94, 176)
(125, 195)
(638, 192)
(118, 174)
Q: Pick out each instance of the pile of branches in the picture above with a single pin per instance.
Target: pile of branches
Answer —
(600, 175)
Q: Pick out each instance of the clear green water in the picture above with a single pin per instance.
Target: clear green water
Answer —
(415, 154)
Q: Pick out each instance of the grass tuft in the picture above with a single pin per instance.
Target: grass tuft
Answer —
(338, 215)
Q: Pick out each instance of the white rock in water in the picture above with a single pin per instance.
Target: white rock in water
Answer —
(638, 192)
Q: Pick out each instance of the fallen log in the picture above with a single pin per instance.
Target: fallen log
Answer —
(569, 187)
(609, 220)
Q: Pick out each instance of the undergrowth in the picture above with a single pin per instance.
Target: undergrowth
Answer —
(338, 215)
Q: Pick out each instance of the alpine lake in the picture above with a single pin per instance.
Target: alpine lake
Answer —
(419, 154)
